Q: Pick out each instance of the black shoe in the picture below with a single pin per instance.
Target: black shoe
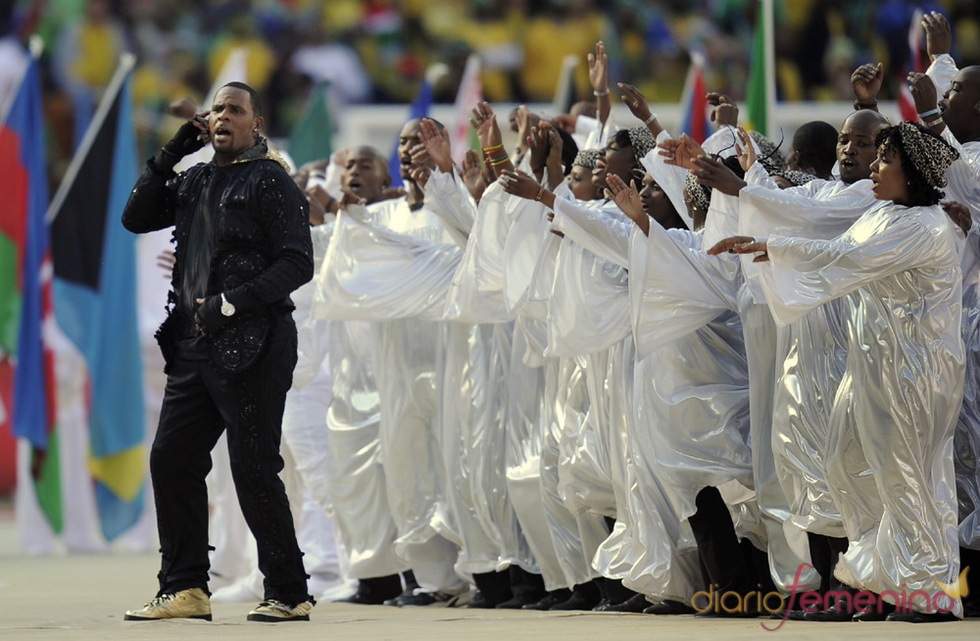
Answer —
(792, 615)
(364, 596)
(668, 608)
(584, 597)
(479, 602)
(405, 594)
(549, 600)
(871, 616)
(922, 617)
(423, 599)
(830, 614)
(519, 601)
(603, 605)
(636, 603)
(374, 591)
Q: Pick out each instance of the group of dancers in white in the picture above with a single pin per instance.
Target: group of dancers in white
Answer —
(654, 375)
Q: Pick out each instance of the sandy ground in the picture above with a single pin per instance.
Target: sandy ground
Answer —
(84, 597)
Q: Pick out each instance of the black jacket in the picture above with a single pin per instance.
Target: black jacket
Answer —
(262, 248)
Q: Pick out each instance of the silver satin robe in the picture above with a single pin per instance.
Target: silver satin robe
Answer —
(897, 270)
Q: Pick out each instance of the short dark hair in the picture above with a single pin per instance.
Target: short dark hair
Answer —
(816, 143)
(253, 96)
(441, 127)
(569, 149)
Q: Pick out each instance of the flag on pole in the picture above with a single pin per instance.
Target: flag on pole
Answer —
(25, 301)
(695, 121)
(95, 299)
(461, 133)
(761, 94)
(312, 137)
(419, 109)
(906, 104)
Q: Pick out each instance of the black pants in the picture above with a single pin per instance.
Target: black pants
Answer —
(728, 565)
(199, 403)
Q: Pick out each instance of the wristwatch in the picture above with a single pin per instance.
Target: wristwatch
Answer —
(227, 309)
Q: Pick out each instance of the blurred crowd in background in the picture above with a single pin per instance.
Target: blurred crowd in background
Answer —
(376, 51)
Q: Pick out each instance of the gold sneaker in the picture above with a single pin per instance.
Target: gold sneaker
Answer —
(193, 603)
(273, 611)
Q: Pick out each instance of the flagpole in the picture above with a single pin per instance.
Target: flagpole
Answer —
(770, 60)
(126, 63)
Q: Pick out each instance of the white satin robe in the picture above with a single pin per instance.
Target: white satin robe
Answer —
(897, 270)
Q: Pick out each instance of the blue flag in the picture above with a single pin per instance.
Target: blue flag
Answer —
(95, 300)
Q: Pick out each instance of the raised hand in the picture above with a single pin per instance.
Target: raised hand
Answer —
(939, 35)
(680, 151)
(525, 122)
(474, 175)
(634, 99)
(485, 123)
(436, 145)
(924, 93)
(599, 77)
(627, 198)
(520, 184)
(866, 83)
(599, 69)
(555, 145)
(725, 110)
(745, 149)
(537, 143)
(553, 163)
(714, 174)
(191, 136)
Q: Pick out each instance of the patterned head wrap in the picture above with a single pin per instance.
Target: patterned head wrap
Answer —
(700, 194)
(795, 176)
(929, 154)
(586, 158)
(769, 155)
(641, 140)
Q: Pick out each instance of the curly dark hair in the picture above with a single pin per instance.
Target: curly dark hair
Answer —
(920, 191)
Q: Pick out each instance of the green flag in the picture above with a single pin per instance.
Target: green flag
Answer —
(312, 137)
(755, 98)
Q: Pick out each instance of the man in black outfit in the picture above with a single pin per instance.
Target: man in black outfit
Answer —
(242, 245)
